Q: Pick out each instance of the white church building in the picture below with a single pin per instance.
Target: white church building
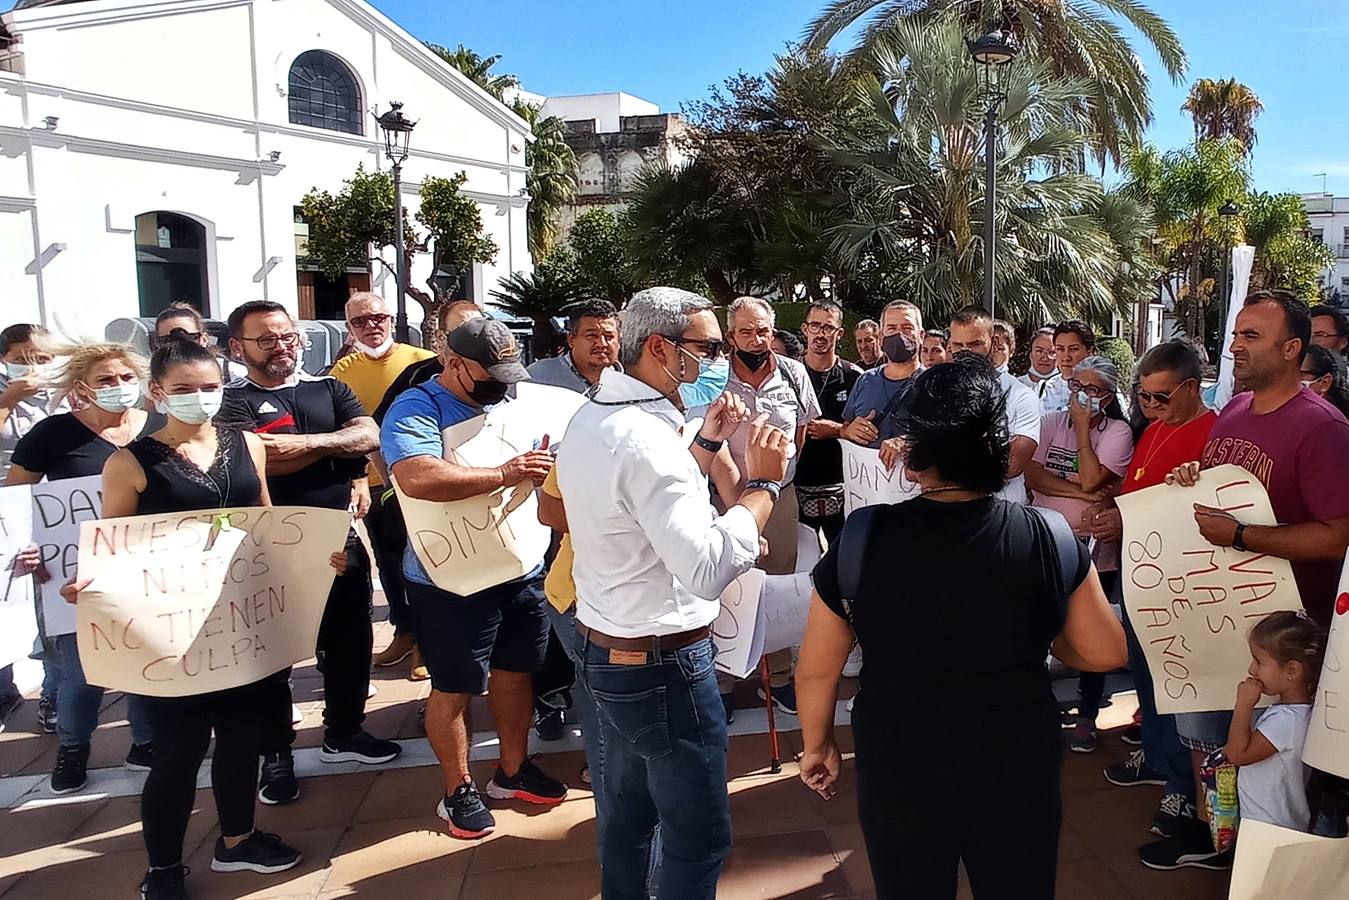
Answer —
(157, 150)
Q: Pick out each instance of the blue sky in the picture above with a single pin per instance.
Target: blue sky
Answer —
(1293, 53)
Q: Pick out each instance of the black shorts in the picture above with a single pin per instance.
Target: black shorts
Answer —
(461, 638)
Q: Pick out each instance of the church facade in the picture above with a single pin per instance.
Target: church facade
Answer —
(153, 151)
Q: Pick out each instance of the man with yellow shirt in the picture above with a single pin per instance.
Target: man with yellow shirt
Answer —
(369, 372)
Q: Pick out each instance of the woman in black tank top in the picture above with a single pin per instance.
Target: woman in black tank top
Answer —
(191, 465)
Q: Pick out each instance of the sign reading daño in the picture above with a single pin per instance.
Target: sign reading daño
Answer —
(472, 544)
(866, 480)
(1192, 604)
(178, 606)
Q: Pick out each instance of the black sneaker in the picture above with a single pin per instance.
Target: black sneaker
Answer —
(548, 724)
(728, 705)
(784, 698)
(359, 747)
(164, 884)
(1191, 847)
(46, 715)
(465, 814)
(1133, 735)
(1173, 815)
(71, 771)
(530, 784)
(9, 705)
(259, 852)
(279, 785)
(140, 757)
(1133, 772)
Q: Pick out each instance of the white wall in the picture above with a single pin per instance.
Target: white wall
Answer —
(605, 109)
(160, 108)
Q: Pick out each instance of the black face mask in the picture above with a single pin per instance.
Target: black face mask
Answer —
(754, 361)
(486, 392)
(899, 347)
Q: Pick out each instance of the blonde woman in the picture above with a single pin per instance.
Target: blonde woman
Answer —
(104, 381)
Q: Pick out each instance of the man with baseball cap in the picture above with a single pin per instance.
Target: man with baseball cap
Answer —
(502, 629)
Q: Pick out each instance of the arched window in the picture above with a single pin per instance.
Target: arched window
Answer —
(170, 261)
(324, 93)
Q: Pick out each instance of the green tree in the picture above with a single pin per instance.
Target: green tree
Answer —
(551, 181)
(1078, 40)
(1286, 255)
(599, 239)
(454, 238)
(344, 226)
(478, 69)
(917, 206)
(541, 296)
(1223, 109)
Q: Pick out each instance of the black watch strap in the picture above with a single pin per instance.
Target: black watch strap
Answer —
(709, 446)
(764, 484)
(1239, 539)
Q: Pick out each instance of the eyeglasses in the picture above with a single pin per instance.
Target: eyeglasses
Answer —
(1092, 390)
(269, 341)
(370, 321)
(712, 349)
(1161, 398)
(819, 328)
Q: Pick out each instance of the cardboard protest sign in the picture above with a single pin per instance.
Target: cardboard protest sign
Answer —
(1327, 746)
(786, 605)
(1191, 603)
(59, 507)
(472, 544)
(866, 481)
(178, 608)
(18, 615)
(738, 629)
(1274, 863)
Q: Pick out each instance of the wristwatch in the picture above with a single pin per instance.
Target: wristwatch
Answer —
(709, 445)
(764, 484)
(1237, 539)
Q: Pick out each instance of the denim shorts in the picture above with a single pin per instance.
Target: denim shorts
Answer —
(463, 638)
(1203, 731)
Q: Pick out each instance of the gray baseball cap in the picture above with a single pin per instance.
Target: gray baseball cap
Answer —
(491, 345)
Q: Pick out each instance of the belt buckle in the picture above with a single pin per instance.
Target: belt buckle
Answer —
(627, 657)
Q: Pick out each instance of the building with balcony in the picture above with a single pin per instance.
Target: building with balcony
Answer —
(1328, 217)
(157, 150)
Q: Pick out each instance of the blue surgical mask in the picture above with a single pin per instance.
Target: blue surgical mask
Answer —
(711, 383)
(194, 408)
(1084, 399)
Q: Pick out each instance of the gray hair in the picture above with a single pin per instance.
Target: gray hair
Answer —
(658, 310)
(740, 303)
(1101, 366)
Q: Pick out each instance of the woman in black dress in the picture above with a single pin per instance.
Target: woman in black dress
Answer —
(955, 597)
(189, 464)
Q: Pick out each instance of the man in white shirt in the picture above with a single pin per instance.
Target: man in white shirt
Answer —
(592, 347)
(972, 330)
(651, 559)
(1042, 374)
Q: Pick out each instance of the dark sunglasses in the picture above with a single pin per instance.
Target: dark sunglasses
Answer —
(712, 349)
(175, 334)
(370, 320)
(1161, 398)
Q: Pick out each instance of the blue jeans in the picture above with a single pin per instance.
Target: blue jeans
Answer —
(77, 701)
(1162, 749)
(664, 733)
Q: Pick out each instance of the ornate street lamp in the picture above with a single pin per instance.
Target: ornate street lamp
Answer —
(992, 51)
(1228, 210)
(397, 130)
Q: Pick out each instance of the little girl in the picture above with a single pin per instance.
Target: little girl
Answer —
(1286, 650)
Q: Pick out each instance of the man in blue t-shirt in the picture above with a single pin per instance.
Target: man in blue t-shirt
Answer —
(874, 406)
(502, 629)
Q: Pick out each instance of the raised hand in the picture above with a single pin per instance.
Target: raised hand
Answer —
(724, 415)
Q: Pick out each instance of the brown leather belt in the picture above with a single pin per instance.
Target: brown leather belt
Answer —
(654, 644)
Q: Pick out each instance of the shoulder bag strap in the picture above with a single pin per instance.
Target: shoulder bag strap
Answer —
(786, 372)
(852, 548)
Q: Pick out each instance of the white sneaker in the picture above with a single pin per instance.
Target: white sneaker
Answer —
(853, 667)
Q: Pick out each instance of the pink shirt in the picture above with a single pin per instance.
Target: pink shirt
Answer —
(1113, 442)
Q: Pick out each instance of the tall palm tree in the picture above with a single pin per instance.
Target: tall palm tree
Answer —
(478, 69)
(1223, 109)
(542, 296)
(551, 181)
(1079, 39)
(918, 204)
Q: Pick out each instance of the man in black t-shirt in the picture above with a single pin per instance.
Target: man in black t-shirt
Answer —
(819, 474)
(317, 437)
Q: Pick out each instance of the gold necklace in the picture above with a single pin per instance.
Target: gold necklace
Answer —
(1143, 469)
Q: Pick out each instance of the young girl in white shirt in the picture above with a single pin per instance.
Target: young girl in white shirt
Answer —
(1286, 651)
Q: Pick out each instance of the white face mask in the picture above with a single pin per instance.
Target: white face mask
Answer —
(376, 352)
(119, 397)
(17, 370)
(194, 408)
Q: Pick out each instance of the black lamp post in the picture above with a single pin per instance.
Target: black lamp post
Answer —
(397, 130)
(1228, 210)
(992, 51)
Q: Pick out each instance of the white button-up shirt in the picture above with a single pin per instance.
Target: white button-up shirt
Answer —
(652, 556)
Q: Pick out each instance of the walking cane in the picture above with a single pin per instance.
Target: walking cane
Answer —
(775, 764)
